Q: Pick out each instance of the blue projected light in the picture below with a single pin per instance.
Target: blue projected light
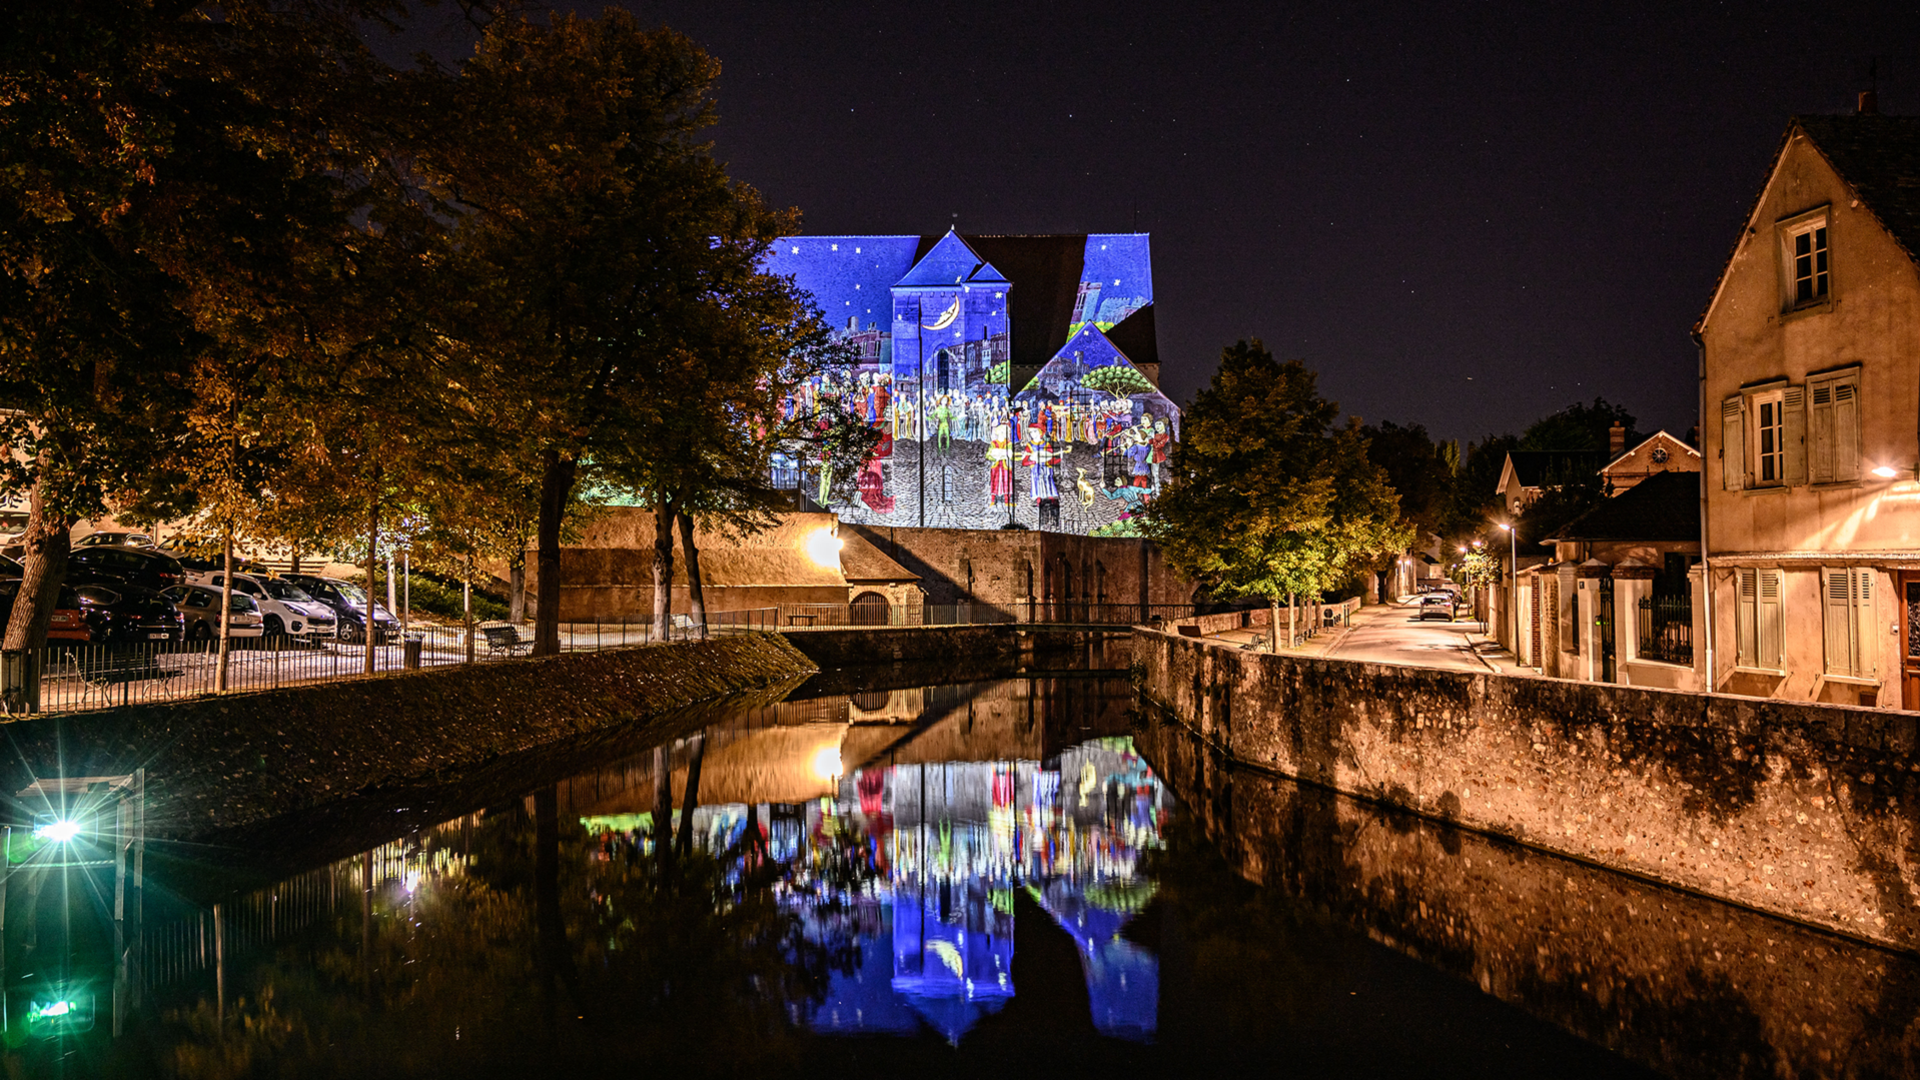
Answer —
(931, 321)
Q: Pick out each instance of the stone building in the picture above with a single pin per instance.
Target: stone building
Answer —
(1810, 393)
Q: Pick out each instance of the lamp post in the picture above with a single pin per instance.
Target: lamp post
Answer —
(1513, 583)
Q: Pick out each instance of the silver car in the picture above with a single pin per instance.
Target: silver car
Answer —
(200, 607)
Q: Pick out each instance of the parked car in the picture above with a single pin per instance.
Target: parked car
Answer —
(285, 608)
(105, 611)
(200, 571)
(11, 568)
(149, 569)
(349, 604)
(65, 624)
(114, 539)
(200, 607)
(1437, 605)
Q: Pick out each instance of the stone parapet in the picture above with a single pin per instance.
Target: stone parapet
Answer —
(1798, 809)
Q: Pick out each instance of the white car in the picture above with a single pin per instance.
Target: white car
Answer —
(285, 608)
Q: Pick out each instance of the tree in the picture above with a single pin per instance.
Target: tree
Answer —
(597, 237)
(173, 186)
(1579, 427)
(1418, 470)
(1269, 497)
(1120, 380)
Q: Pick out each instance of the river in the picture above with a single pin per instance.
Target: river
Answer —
(893, 875)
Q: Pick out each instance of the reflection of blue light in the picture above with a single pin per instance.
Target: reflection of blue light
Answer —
(58, 832)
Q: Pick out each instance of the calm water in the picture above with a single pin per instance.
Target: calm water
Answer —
(1012, 874)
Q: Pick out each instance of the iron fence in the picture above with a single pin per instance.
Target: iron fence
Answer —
(1038, 611)
(1666, 629)
(74, 677)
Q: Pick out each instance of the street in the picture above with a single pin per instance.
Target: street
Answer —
(1392, 634)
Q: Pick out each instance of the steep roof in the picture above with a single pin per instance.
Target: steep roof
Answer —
(1879, 158)
(948, 263)
(1663, 507)
(1539, 468)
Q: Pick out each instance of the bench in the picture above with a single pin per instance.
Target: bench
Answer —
(504, 639)
(99, 674)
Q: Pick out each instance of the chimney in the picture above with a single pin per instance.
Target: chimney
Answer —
(1869, 102)
(1616, 439)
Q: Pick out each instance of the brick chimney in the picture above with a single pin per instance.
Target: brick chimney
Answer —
(1869, 102)
(1616, 439)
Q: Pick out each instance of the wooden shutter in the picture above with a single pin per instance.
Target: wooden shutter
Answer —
(1771, 617)
(1746, 616)
(1837, 607)
(1864, 654)
(1820, 439)
(1793, 435)
(1846, 429)
(1733, 442)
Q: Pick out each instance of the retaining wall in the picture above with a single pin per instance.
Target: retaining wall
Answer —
(997, 643)
(1809, 811)
(222, 762)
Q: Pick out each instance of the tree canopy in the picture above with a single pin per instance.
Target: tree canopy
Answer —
(1269, 495)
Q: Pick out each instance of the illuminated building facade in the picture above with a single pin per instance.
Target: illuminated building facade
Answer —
(1014, 378)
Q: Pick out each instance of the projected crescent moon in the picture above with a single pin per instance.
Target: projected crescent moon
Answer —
(946, 317)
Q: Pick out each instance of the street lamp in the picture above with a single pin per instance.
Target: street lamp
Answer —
(1513, 583)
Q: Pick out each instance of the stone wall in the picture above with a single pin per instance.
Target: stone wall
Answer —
(1803, 810)
(1029, 575)
(234, 760)
(1680, 982)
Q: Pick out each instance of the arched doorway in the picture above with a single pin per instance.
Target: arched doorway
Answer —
(869, 609)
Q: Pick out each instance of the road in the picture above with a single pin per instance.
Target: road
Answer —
(1390, 634)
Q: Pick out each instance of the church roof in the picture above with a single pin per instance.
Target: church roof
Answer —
(948, 263)
(1048, 277)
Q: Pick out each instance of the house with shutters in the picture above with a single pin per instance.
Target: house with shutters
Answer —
(1811, 389)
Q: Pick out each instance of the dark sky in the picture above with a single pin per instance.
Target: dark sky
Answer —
(1461, 215)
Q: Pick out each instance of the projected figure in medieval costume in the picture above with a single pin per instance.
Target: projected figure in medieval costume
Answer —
(873, 478)
(882, 398)
(1000, 466)
(1162, 444)
(1140, 453)
(1041, 458)
(943, 421)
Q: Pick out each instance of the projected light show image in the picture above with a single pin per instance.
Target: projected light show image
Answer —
(992, 368)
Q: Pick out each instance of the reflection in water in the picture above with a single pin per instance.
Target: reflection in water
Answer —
(922, 880)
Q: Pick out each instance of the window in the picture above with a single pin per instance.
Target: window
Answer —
(1847, 595)
(1763, 436)
(1833, 426)
(1769, 460)
(1804, 277)
(1760, 618)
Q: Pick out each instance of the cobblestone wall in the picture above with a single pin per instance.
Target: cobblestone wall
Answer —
(1806, 810)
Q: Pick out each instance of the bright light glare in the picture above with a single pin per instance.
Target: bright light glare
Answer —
(58, 1008)
(1885, 472)
(826, 762)
(58, 831)
(1503, 526)
(824, 548)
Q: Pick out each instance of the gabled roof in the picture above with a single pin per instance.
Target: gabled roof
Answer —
(1877, 156)
(1658, 436)
(950, 262)
(1540, 468)
(1663, 507)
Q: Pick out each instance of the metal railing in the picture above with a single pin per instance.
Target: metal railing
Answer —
(1666, 629)
(74, 677)
(1038, 611)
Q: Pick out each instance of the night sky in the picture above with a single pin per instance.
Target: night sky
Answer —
(1461, 215)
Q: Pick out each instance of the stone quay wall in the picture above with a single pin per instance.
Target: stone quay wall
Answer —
(1802, 810)
(838, 647)
(234, 760)
(1679, 982)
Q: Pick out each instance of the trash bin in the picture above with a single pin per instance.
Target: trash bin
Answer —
(411, 658)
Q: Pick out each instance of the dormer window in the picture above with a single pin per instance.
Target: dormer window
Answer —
(1805, 277)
